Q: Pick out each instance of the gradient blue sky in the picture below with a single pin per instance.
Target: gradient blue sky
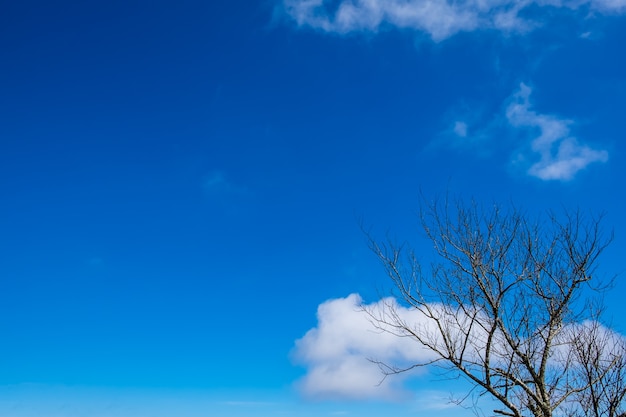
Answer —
(183, 182)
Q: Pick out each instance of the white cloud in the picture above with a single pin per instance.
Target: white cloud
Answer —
(546, 148)
(440, 19)
(338, 353)
(561, 156)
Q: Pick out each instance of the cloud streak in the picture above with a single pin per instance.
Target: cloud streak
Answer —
(217, 185)
(561, 156)
(546, 148)
(440, 19)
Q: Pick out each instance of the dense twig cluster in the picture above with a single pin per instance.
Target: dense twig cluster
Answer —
(505, 308)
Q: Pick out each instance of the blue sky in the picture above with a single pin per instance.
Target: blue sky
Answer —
(183, 184)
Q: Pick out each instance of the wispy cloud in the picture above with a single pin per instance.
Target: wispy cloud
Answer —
(460, 129)
(435, 401)
(440, 19)
(609, 6)
(471, 128)
(544, 145)
(561, 156)
(217, 183)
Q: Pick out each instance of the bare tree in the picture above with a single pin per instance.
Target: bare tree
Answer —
(505, 307)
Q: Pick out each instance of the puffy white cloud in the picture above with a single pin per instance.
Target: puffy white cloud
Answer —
(338, 353)
(341, 353)
(561, 156)
(438, 18)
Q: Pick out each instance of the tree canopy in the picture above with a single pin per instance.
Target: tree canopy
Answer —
(509, 306)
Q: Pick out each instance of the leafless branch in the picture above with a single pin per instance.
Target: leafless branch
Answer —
(504, 308)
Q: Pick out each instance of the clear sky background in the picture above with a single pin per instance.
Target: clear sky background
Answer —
(183, 185)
